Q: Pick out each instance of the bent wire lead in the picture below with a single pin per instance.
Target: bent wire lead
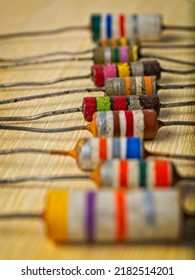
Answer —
(113, 86)
(89, 152)
(90, 105)
(135, 123)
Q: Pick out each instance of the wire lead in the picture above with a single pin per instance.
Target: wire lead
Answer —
(43, 32)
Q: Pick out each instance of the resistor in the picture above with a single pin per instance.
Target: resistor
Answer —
(113, 216)
(125, 54)
(106, 43)
(106, 26)
(142, 26)
(101, 55)
(137, 85)
(90, 105)
(135, 123)
(123, 174)
(89, 152)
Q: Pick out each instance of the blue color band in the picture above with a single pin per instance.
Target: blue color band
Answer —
(109, 26)
(134, 148)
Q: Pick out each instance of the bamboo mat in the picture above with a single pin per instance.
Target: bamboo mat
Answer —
(27, 239)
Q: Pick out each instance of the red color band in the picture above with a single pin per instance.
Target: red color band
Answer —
(103, 148)
(162, 173)
(120, 103)
(124, 173)
(122, 25)
(129, 123)
(120, 216)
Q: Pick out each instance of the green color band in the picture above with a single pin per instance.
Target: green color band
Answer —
(95, 27)
(116, 55)
(142, 168)
(103, 103)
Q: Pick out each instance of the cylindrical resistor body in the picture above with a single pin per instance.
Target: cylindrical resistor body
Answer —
(139, 68)
(116, 54)
(134, 174)
(142, 26)
(85, 216)
(94, 150)
(116, 103)
(131, 86)
(136, 123)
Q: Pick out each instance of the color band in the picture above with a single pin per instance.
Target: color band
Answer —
(124, 54)
(103, 103)
(162, 173)
(148, 84)
(56, 214)
(122, 25)
(134, 25)
(90, 215)
(142, 167)
(109, 26)
(103, 148)
(123, 70)
(116, 148)
(134, 148)
(116, 54)
(120, 216)
(129, 123)
(123, 174)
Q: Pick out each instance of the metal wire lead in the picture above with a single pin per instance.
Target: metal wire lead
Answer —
(42, 115)
(43, 32)
(42, 179)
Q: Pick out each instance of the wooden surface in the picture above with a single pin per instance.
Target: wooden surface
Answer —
(27, 239)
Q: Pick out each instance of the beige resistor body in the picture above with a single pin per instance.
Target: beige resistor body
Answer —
(113, 216)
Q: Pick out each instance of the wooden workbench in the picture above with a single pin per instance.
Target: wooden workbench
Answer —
(27, 239)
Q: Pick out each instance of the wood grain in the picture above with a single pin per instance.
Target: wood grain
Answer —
(27, 239)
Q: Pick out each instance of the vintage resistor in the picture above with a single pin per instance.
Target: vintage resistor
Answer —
(135, 123)
(112, 216)
(104, 43)
(123, 174)
(137, 85)
(91, 105)
(120, 46)
(142, 26)
(113, 87)
(100, 55)
(103, 26)
(89, 152)
(125, 54)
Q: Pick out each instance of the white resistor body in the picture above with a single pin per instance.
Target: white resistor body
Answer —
(142, 26)
(113, 216)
